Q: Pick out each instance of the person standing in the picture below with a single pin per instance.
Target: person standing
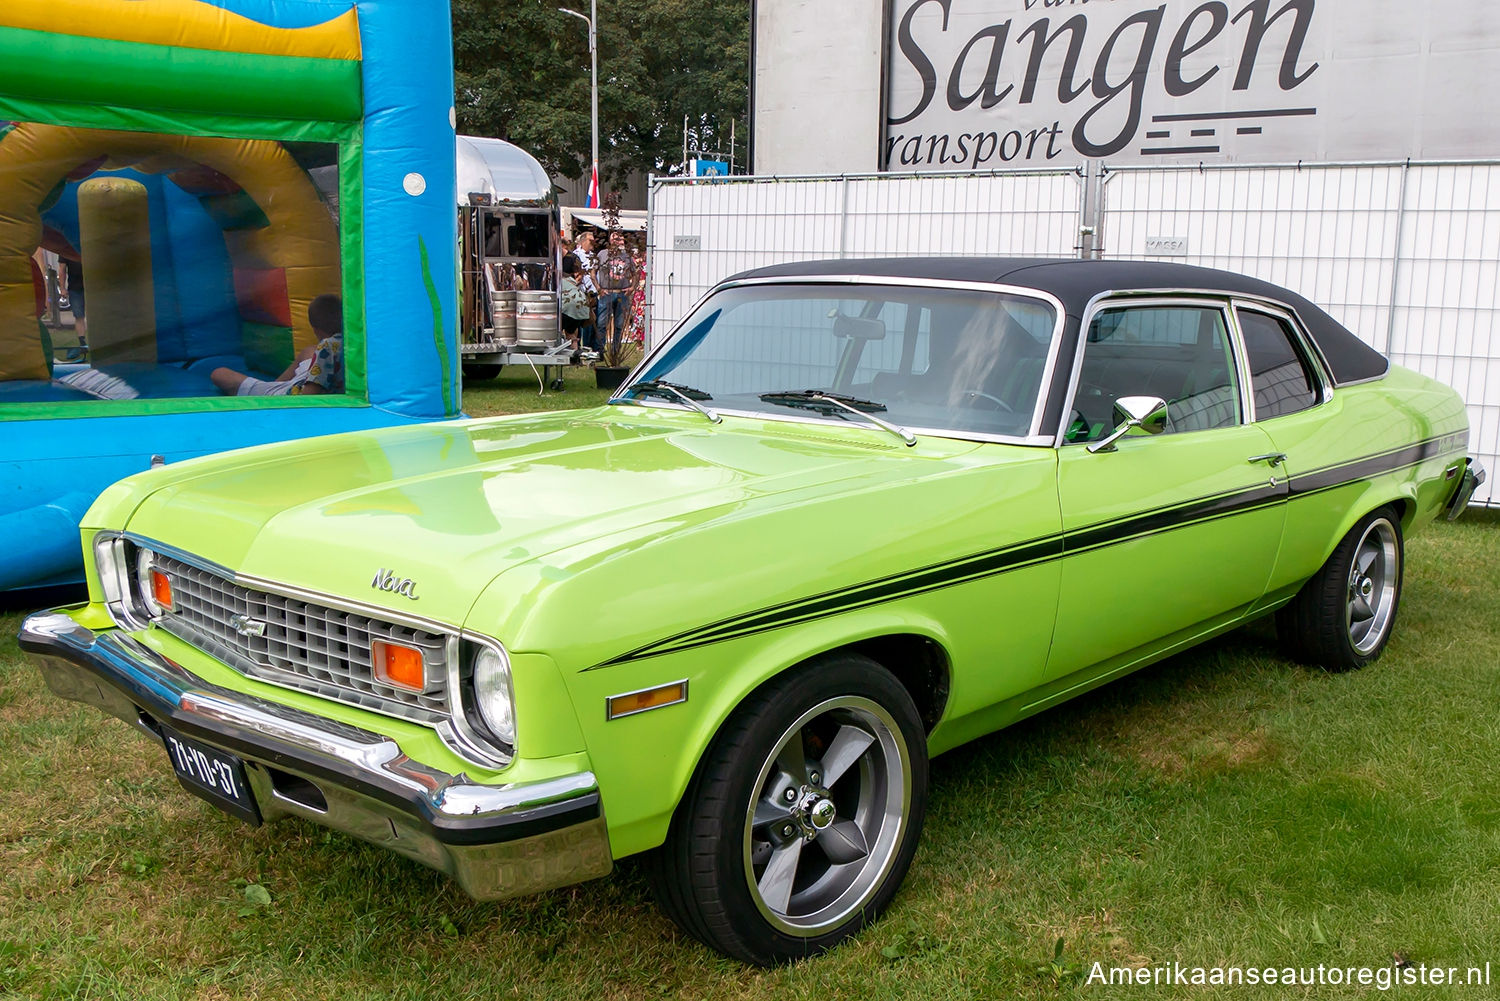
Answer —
(573, 301)
(73, 270)
(616, 276)
(584, 252)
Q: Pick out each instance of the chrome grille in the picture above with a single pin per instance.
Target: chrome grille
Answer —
(302, 645)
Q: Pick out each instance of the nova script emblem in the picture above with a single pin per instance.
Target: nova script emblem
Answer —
(386, 581)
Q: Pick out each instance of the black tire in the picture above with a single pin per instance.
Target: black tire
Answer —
(714, 873)
(478, 372)
(1343, 617)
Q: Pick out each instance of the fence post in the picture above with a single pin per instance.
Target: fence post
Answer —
(1390, 326)
(1091, 210)
(647, 334)
(844, 217)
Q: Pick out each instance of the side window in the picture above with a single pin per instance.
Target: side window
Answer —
(1179, 353)
(1282, 380)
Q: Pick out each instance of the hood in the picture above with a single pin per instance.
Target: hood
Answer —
(449, 507)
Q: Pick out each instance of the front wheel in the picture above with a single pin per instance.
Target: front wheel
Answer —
(803, 817)
(1343, 617)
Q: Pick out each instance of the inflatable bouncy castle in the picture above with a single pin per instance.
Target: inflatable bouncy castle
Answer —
(180, 182)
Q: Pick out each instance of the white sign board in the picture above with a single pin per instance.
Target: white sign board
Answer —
(983, 84)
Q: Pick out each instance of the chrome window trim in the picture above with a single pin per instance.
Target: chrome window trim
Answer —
(1089, 309)
(1242, 362)
(1033, 437)
(1319, 358)
(455, 732)
(1132, 298)
(1301, 343)
(1366, 381)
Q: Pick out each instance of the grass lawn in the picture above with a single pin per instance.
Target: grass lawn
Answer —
(1225, 807)
(515, 391)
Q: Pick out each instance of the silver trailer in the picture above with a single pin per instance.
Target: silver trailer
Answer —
(508, 228)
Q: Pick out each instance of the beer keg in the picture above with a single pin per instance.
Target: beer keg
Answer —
(536, 318)
(504, 305)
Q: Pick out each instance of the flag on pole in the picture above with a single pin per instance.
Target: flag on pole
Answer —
(593, 199)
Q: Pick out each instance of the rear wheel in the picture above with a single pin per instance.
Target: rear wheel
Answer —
(1343, 617)
(803, 817)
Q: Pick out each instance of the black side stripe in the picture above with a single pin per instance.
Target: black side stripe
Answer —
(1035, 552)
(1155, 522)
(1329, 477)
(975, 567)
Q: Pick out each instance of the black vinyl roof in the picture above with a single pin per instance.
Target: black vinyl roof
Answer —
(1077, 282)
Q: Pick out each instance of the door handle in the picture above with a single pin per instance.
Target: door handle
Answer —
(1273, 458)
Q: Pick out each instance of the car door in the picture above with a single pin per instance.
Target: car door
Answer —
(1170, 536)
(1291, 400)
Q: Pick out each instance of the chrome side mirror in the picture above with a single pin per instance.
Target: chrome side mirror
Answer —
(1134, 415)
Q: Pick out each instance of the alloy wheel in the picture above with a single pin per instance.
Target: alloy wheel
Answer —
(826, 817)
(1373, 578)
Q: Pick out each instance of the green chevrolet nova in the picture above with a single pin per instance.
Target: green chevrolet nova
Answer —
(849, 515)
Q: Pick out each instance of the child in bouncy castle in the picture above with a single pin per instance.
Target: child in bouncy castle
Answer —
(315, 370)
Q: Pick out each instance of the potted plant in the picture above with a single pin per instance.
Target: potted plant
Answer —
(614, 362)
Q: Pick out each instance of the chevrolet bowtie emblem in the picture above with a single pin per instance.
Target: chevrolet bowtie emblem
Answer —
(246, 626)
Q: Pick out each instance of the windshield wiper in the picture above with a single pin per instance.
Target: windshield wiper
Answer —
(672, 391)
(817, 399)
(827, 403)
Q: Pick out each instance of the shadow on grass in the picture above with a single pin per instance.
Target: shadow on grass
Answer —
(35, 598)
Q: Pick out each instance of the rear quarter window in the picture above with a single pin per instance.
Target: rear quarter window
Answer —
(1281, 378)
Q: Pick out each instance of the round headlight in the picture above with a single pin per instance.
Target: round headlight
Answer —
(492, 694)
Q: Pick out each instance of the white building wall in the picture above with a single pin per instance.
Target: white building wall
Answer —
(817, 86)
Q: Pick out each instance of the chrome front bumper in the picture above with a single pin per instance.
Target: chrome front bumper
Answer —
(496, 840)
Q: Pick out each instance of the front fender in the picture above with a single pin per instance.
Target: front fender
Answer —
(644, 762)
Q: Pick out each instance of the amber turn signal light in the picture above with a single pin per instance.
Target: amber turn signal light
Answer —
(161, 589)
(649, 698)
(399, 666)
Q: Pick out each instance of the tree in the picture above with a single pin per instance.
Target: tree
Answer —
(521, 72)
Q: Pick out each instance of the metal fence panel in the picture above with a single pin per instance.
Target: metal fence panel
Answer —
(1328, 232)
(1447, 294)
(1406, 256)
(703, 232)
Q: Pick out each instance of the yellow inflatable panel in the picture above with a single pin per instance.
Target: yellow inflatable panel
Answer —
(189, 24)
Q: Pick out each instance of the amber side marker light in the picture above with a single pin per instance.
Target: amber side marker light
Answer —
(631, 703)
(161, 589)
(399, 666)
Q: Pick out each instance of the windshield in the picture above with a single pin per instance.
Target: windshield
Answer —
(932, 359)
